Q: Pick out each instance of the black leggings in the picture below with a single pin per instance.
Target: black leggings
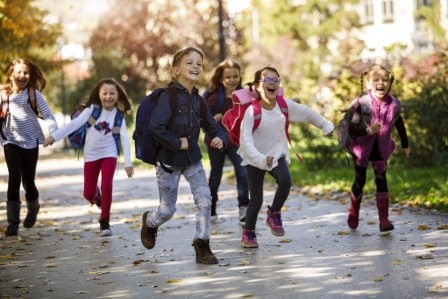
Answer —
(360, 179)
(21, 163)
(255, 178)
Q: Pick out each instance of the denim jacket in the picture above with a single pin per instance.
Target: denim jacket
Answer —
(186, 123)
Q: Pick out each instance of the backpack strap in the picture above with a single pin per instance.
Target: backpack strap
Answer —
(32, 99)
(221, 100)
(4, 103)
(117, 127)
(285, 110)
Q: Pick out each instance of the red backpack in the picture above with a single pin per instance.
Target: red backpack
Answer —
(241, 100)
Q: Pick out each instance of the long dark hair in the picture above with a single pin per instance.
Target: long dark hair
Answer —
(216, 79)
(122, 104)
(37, 76)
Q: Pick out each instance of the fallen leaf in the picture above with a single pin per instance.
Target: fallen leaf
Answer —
(385, 234)
(343, 233)
(430, 245)
(425, 257)
(370, 222)
(247, 295)
(442, 227)
(173, 280)
(243, 262)
(397, 262)
(49, 257)
(82, 292)
(422, 227)
(285, 241)
(377, 279)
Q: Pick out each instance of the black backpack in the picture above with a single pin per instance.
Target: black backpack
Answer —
(146, 147)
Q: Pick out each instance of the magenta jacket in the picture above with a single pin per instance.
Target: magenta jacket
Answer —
(387, 114)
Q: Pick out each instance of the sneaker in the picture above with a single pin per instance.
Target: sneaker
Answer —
(242, 214)
(274, 221)
(98, 197)
(249, 239)
(105, 227)
(203, 253)
(148, 234)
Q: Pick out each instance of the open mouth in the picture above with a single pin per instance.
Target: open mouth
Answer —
(271, 88)
(194, 73)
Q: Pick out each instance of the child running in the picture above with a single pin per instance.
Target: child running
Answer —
(373, 142)
(21, 135)
(266, 150)
(180, 153)
(101, 149)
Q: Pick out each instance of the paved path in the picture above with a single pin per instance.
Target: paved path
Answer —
(65, 257)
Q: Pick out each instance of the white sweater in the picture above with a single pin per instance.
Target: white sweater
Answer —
(99, 140)
(269, 139)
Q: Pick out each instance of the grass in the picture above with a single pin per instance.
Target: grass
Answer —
(416, 187)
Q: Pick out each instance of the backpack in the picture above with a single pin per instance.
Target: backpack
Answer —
(146, 146)
(78, 137)
(241, 100)
(4, 103)
(344, 138)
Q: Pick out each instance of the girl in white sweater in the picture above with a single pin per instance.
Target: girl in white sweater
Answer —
(266, 150)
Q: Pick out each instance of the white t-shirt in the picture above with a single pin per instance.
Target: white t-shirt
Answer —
(269, 139)
(100, 142)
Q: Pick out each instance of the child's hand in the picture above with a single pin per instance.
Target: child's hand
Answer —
(129, 171)
(375, 127)
(49, 141)
(269, 160)
(406, 151)
(184, 143)
(218, 117)
(217, 143)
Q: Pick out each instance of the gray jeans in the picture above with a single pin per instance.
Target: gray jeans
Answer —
(168, 185)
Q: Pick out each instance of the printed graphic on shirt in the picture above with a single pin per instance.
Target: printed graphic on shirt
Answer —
(103, 127)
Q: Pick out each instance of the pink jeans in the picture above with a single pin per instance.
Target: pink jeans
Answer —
(91, 174)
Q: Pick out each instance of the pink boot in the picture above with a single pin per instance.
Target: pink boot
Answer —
(382, 203)
(353, 215)
(249, 239)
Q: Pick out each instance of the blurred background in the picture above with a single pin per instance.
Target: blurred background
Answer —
(320, 48)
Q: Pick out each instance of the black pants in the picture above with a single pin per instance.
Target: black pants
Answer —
(255, 178)
(360, 179)
(21, 165)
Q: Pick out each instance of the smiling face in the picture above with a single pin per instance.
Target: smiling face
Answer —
(268, 90)
(230, 79)
(189, 69)
(108, 96)
(378, 83)
(20, 77)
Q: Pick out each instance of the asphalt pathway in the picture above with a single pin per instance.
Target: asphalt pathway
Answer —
(64, 256)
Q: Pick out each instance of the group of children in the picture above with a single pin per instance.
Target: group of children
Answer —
(263, 150)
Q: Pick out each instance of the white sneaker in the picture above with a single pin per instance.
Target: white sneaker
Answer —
(242, 214)
(214, 218)
(106, 232)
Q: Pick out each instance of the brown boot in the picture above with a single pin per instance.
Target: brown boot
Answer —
(203, 253)
(31, 216)
(353, 215)
(382, 203)
(148, 235)
(13, 218)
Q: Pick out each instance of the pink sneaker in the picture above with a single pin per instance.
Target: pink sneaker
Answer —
(249, 239)
(274, 221)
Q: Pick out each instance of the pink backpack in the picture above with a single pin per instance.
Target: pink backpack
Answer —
(241, 100)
